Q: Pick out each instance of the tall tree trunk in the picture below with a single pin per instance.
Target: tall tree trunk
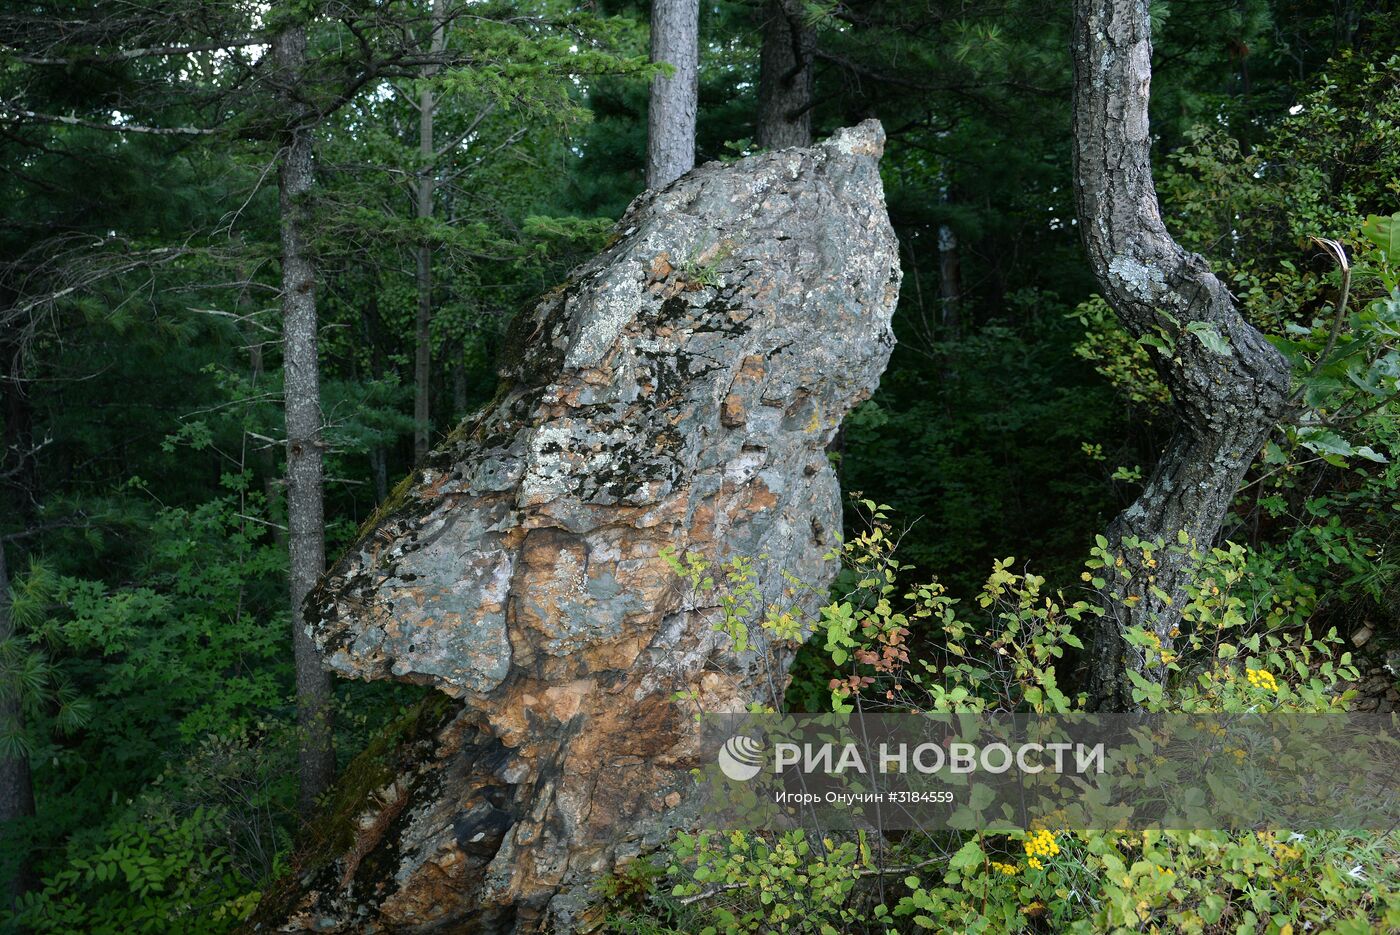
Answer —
(949, 283)
(16, 781)
(379, 473)
(675, 40)
(459, 390)
(370, 329)
(302, 392)
(16, 442)
(422, 331)
(785, 77)
(1225, 402)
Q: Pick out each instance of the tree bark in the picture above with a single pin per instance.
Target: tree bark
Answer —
(459, 390)
(302, 392)
(16, 441)
(422, 331)
(785, 77)
(422, 343)
(16, 780)
(675, 38)
(949, 283)
(370, 331)
(1225, 402)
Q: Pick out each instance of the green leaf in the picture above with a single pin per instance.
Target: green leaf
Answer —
(1326, 442)
(1211, 338)
(969, 855)
(1384, 232)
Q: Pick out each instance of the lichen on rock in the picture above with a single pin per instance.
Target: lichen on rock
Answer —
(679, 390)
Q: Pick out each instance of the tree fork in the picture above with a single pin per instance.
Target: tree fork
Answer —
(1229, 385)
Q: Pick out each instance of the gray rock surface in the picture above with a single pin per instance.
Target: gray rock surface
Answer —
(679, 390)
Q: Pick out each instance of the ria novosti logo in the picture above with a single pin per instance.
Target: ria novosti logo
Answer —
(741, 758)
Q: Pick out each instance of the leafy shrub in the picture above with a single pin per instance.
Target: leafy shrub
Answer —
(1245, 644)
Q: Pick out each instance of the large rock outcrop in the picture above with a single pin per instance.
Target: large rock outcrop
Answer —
(680, 390)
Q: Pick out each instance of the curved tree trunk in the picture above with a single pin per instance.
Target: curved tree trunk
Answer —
(785, 77)
(1226, 399)
(675, 38)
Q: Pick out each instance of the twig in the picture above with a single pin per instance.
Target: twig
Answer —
(109, 127)
(127, 55)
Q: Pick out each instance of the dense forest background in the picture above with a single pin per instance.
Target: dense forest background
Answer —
(146, 648)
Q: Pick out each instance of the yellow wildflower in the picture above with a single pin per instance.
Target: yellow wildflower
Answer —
(1040, 844)
(1261, 678)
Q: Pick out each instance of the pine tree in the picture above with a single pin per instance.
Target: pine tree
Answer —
(306, 525)
(675, 37)
(785, 76)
